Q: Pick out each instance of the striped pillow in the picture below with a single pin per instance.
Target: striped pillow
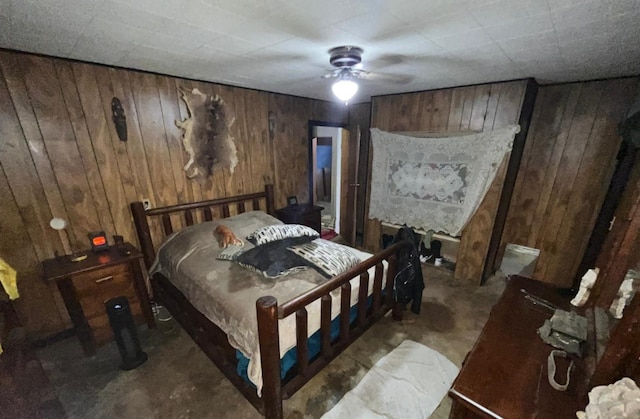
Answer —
(271, 233)
(328, 258)
(231, 252)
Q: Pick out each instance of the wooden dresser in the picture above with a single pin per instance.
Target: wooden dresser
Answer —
(305, 214)
(505, 374)
(86, 286)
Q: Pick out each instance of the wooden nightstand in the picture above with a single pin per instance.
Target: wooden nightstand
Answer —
(305, 214)
(86, 285)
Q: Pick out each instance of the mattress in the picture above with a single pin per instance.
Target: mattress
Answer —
(226, 293)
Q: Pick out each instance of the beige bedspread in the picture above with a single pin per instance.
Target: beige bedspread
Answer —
(226, 293)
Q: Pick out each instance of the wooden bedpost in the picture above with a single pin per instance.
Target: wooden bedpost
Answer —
(269, 339)
(144, 234)
(268, 190)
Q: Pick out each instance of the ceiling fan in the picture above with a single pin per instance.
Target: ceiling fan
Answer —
(345, 59)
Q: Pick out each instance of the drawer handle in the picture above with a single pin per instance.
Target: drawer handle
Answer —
(105, 279)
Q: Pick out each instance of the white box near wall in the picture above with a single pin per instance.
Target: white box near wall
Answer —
(519, 260)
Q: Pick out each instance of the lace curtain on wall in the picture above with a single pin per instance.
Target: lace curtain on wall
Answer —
(434, 183)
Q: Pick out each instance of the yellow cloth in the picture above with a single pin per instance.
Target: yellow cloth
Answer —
(8, 279)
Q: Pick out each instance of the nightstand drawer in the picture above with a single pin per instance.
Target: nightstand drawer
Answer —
(95, 288)
(95, 281)
(93, 304)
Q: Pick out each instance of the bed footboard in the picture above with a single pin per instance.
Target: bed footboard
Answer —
(368, 312)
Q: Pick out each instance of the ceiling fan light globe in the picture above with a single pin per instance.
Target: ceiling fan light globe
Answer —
(344, 89)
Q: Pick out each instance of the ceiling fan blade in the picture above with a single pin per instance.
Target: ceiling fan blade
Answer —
(391, 78)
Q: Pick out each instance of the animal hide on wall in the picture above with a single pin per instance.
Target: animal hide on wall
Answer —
(207, 135)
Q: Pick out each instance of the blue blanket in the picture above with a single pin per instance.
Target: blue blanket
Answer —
(313, 344)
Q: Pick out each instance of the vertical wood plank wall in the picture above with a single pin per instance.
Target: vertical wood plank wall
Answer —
(565, 172)
(476, 108)
(359, 121)
(60, 156)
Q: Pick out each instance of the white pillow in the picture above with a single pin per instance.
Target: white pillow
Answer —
(271, 233)
(329, 258)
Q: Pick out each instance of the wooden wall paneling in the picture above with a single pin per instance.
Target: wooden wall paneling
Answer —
(566, 173)
(550, 248)
(151, 121)
(120, 148)
(48, 105)
(514, 164)
(21, 173)
(440, 110)
(288, 150)
(85, 146)
(106, 158)
(597, 162)
(135, 147)
(522, 207)
(509, 104)
(360, 119)
(492, 106)
(533, 166)
(239, 181)
(559, 137)
(122, 88)
(259, 144)
(150, 118)
(36, 307)
(480, 107)
(456, 108)
(402, 119)
(169, 103)
(467, 107)
(474, 243)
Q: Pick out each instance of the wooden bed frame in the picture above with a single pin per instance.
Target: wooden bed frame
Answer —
(213, 341)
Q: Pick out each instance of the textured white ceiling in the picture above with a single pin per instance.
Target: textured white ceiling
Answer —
(281, 45)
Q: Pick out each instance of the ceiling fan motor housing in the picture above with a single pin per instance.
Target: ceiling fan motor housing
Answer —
(345, 56)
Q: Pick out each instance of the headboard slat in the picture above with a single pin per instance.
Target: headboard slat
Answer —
(188, 217)
(166, 223)
(207, 214)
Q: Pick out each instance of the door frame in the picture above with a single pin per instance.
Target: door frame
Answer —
(314, 124)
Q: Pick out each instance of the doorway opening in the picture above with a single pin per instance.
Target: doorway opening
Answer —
(325, 181)
(333, 162)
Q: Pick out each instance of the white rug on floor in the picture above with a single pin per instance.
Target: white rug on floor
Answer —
(407, 383)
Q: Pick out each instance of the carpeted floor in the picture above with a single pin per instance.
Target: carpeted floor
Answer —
(179, 381)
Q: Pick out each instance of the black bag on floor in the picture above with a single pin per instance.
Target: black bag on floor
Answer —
(408, 282)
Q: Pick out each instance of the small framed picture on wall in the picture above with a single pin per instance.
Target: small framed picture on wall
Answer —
(292, 200)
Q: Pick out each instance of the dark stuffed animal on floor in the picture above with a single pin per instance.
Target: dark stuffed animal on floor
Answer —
(226, 237)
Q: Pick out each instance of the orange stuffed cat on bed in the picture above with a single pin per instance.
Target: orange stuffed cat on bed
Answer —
(227, 237)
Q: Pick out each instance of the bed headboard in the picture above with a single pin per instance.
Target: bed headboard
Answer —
(140, 215)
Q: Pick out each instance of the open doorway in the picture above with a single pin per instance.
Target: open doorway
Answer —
(325, 181)
(333, 186)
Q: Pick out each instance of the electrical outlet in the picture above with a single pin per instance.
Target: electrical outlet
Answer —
(146, 203)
